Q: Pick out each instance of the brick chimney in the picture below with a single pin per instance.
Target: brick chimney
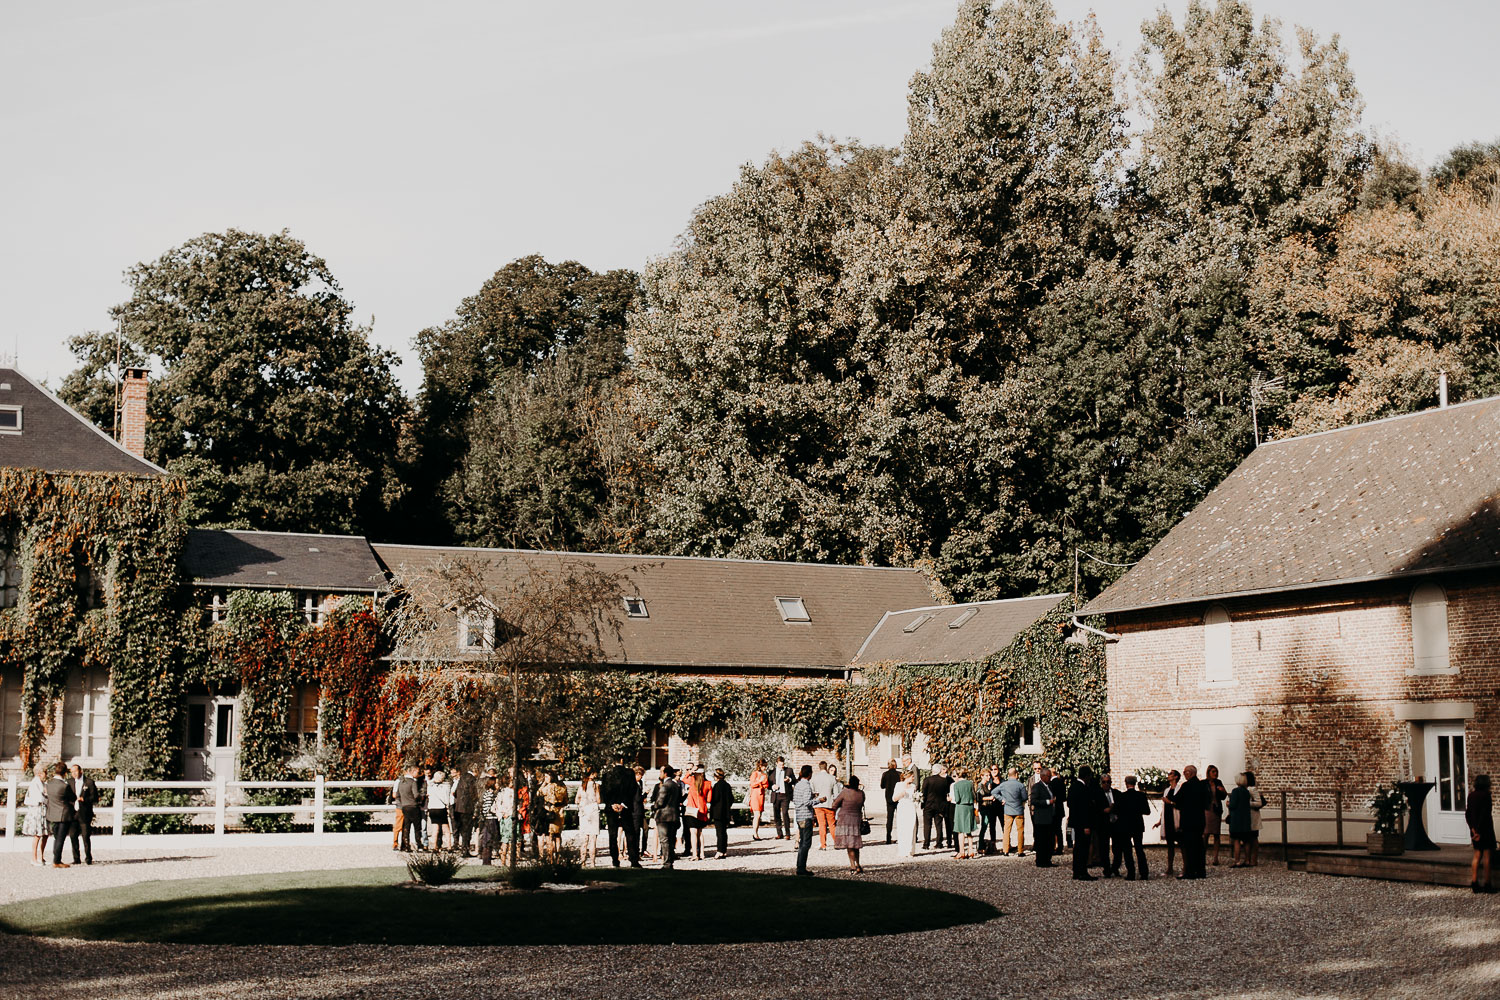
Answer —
(133, 412)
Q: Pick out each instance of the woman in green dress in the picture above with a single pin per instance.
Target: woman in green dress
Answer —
(961, 794)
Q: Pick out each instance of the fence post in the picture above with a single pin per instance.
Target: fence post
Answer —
(221, 796)
(1338, 814)
(318, 805)
(119, 808)
(12, 789)
(1286, 855)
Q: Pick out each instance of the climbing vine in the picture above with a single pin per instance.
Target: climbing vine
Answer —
(972, 713)
(98, 556)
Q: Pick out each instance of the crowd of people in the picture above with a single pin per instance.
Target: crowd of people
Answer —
(492, 815)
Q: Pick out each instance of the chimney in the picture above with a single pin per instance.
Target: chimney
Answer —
(133, 412)
(1442, 390)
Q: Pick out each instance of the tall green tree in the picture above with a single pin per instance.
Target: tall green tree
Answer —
(522, 317)
(270, 401)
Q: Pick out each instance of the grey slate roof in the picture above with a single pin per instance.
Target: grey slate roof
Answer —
(282, 561)
(57, 438)
(1406, 496)
(988, 631)
(712, 613)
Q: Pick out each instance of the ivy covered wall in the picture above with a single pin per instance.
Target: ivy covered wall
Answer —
(98, 556)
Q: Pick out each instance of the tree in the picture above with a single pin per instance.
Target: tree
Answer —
(539, 622)
(1475, 165)
(272, 404)
(526, 314)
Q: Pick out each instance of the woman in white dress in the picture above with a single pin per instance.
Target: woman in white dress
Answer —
(35, 825)
(588, 819)
(905, 796)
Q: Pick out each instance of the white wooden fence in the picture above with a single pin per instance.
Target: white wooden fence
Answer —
(224, 803)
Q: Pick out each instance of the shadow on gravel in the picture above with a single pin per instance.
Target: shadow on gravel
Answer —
(364, 906)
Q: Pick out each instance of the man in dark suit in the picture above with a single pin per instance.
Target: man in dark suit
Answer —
(1133, 809)
(888, 782)
(1109, 837)
(666, 802)
(1043, 806)
(620, 795)
(1191, 802)
(465, 803)
(85, 797)
(1059, 786)
(781, 798)
(1082, 820)
(60, 812)
(935, 806)
(720, 809)
(408, 800)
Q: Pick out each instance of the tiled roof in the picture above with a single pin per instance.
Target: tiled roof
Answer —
(950, 634)
(282, 561)
(57, 438)
(712, 613)
(1405, 496)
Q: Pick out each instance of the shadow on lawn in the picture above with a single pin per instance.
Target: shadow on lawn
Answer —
(650, 908)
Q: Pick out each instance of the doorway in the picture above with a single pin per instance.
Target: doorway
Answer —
(1447, 759)
(211, 743)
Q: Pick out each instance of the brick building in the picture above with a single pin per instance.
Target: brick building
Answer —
(1327, 617)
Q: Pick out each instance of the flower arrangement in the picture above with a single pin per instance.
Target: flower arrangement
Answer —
(1387, 805)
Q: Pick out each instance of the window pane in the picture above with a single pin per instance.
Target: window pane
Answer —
(1460, 777)
(1445, 776)
(197, 726)
(224, 726)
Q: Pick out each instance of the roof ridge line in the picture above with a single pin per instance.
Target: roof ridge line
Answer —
(1381, 420)
(634, 555)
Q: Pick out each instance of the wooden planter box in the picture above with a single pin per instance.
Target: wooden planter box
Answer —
(1385, 843)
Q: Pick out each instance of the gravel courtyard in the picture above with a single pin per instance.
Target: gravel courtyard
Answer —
(1263, 934)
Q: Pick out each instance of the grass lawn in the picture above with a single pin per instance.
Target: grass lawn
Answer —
(365, 906)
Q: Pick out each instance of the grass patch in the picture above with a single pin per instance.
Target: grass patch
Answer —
(364, 906)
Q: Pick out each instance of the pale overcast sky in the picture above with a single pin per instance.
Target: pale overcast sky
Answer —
(419, 147)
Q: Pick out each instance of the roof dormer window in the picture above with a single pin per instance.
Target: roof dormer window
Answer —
(792, 609)
(10, 419)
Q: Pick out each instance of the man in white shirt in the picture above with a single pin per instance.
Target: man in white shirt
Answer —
(782, 778)
(87, 796)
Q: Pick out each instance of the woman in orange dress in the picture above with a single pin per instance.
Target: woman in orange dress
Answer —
(699, 795)
(756, 799)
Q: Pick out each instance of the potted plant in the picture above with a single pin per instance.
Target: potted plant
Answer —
(1387, 806)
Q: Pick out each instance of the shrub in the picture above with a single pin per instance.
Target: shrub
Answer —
(435, 868)
(346, 822)
(566, 867)
(159, 822)
(1387, 805)
(280, 822)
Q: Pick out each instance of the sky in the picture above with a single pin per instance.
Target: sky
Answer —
(420, 147)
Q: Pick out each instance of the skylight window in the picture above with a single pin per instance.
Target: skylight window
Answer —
(792, 609)
(919, 622)
(963, 619)
(635, 607)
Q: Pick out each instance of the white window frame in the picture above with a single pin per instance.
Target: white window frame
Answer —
(964, 618)
(1034, 745)
(484, 624)
(12, 714)
(1218, 647)
(10, 565)
(918, 622)
(12, 408)
(1429, 631)
(314, 609)
(793, 609)
(218, 606)
(92, 750)
(635, 607)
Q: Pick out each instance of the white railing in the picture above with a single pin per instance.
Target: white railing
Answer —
(224, 802)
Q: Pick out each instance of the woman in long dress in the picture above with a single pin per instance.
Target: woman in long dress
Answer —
(905, 797)
(756, 799)
(588, 819)
(35, 824)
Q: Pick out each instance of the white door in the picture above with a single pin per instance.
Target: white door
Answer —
(1447, 760)
(212, 741)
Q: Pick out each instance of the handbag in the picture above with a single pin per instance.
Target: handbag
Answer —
(864, 828)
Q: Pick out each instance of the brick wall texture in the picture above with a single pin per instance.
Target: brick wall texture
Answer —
(1319, 677)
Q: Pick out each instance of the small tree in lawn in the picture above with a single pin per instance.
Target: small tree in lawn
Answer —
(502, 641)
